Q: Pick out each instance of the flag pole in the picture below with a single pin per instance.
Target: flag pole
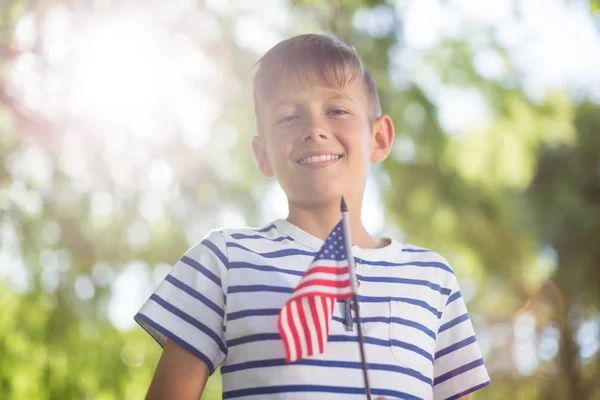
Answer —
(348, 245)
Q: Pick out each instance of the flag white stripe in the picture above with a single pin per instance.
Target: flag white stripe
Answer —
(314, 340)
(322, 291)
(325, 276)
(330, 263)
(321, 316)
(329, 302)
(303, 350)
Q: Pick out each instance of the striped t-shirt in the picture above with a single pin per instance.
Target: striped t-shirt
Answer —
(222, 298)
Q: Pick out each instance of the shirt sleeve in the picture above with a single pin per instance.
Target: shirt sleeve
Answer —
(188, 307)
(458, 364)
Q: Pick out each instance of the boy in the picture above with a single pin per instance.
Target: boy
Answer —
(319, 127)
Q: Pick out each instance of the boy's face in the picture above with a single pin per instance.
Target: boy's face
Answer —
(319, 141)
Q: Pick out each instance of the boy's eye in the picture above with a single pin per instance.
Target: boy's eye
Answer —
(286, 118)
(337, 111)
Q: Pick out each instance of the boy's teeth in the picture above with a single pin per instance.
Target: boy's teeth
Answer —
(314, 159)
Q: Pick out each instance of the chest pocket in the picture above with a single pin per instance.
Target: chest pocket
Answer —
(412, 331)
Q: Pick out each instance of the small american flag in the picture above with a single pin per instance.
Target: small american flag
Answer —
(305, 319)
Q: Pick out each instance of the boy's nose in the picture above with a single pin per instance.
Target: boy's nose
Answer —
(313, 135)
(315, 130)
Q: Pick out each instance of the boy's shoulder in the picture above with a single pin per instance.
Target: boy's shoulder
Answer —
(411, 260)
(267, 231)
(404, 253)
(417, 253)
(245, 236)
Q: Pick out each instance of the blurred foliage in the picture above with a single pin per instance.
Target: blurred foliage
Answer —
(93, 212)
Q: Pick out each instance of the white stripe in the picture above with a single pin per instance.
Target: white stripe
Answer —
(314, 340)
(303, 351)
(289, 338)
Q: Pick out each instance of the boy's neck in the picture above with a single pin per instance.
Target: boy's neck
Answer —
(319, 222)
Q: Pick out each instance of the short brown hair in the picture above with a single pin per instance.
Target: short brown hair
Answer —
(329, 59)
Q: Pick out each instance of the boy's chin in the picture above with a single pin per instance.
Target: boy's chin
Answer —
(317, 199)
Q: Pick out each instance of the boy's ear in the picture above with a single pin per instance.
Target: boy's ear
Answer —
(260, 154)
(383, 138)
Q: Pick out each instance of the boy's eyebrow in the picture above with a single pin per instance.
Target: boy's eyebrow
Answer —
(280, 102)
(335, 96)
(340, 96)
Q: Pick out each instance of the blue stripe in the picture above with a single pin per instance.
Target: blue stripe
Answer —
(275, 254)
(314, 389)
(386, 320)
(260, 337)
(202, 269)
(455, 346)
(418, 282)
(190, 320)
(470, 390)
(244, 236)
(454, 322)
(270, 268)
(268, 228)
(253, 313)
(419, 303)
(381, 342)
(425, 264)
(364, 299)
(277, 362)
(197, 295)
(395, 320)
(258, 288)
(217, 252)
(175, 339)
(454, 297)
(416, 250)
(412, 347)
(458, 371)
(412, 324)
(266, 268)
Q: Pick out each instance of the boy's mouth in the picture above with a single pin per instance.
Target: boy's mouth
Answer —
(319, 159)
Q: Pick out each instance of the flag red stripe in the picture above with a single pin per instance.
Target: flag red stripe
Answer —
(318, 327)
(296, 343)
(305, 329)
(323, 282)
(327, 270)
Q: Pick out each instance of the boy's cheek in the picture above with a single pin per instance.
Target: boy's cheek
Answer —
(350, 128)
